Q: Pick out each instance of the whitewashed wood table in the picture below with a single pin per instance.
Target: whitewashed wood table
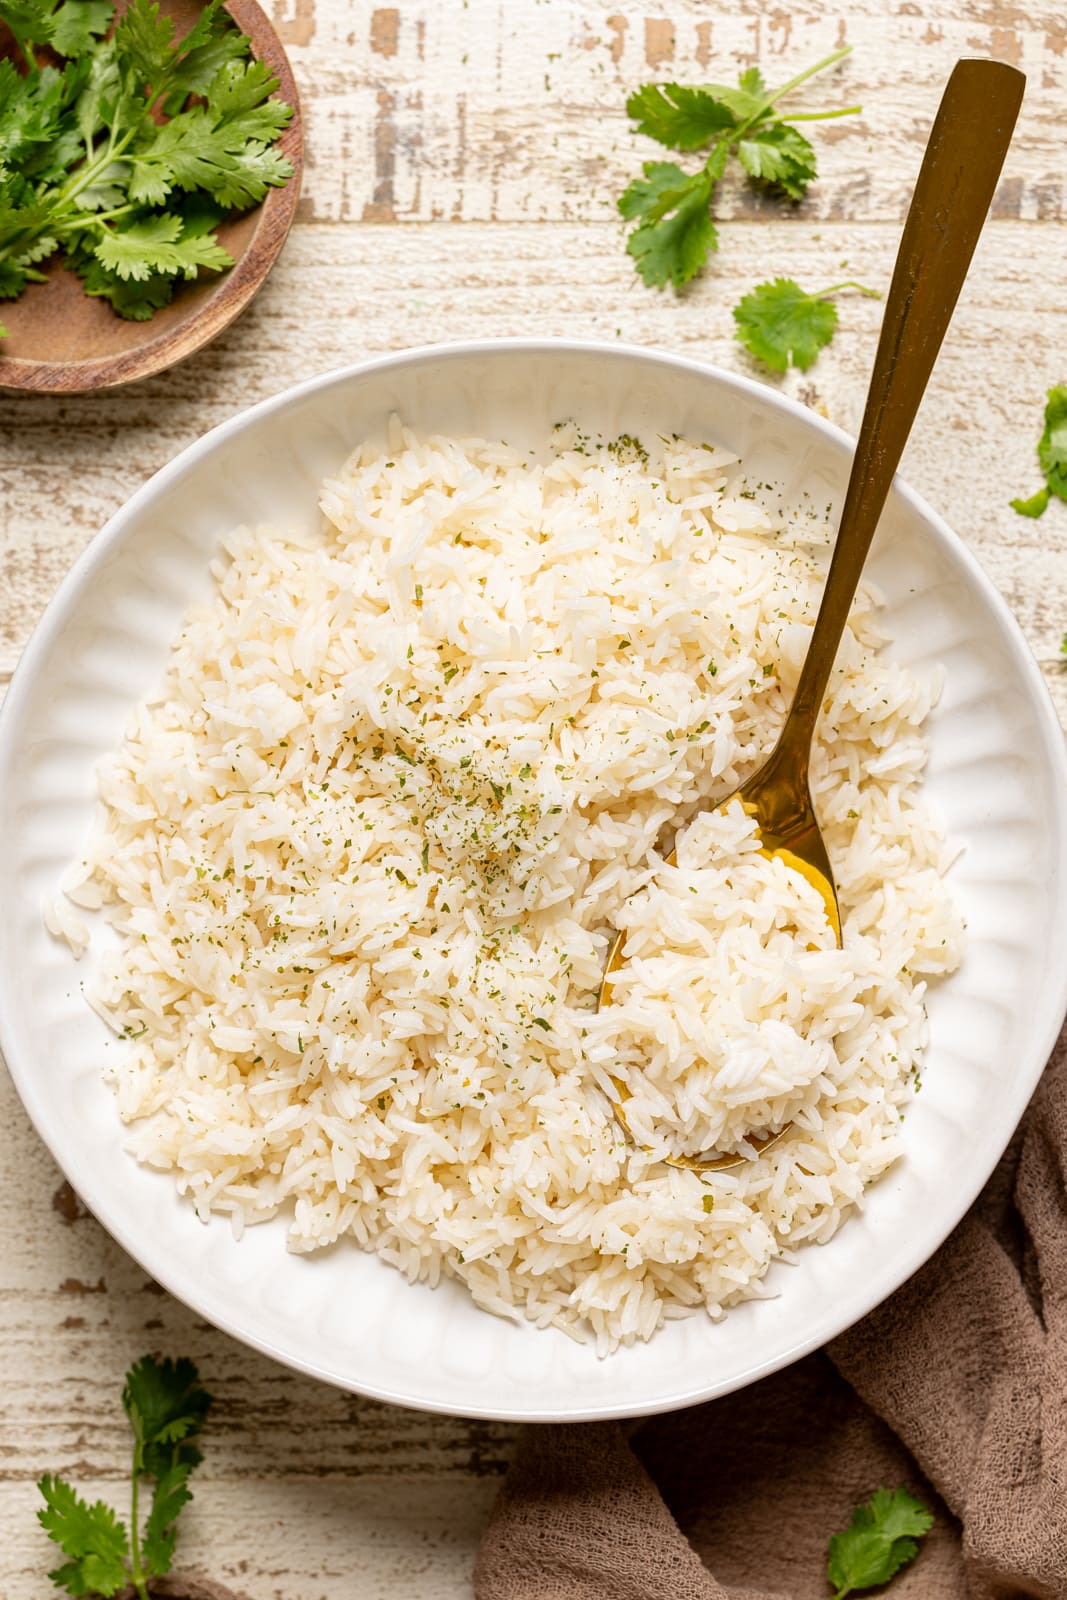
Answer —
(463, 158)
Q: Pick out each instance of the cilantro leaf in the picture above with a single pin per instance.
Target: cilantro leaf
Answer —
(222, 147)
(679, 117)
(91, 1536)
(880, 1539)
(158, 1540)
(1052, 447)
(238, 98)
(1051, 454)
(29, 112)
(99, 93)
(250, 173)
(166, 1409)
(781, 324)
(661, 188)
(107, 190)
(779, 156)
(29, 20)
(189, 152)
(23, 217)
(78, 24)
(200, 65)
(748, 101)
(144, 44)
(147, 51)
(39, 140)
(200, 216)
(1036, 506)
(158, 244)
(897, 1514)
(12, 280)
(136, 301)
(211, 14)
(674, 241)
(38, 249)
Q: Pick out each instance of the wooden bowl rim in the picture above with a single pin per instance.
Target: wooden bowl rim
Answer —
(236, 288)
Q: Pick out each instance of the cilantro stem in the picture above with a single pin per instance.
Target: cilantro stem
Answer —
(772, 98)
(802, 77)
(849, 283)
(716, 161)
(824, 116)
(135, 1537)
(91, 218)
(84, 176)
(27, 54)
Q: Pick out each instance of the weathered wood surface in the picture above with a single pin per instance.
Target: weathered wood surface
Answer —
(462, 161)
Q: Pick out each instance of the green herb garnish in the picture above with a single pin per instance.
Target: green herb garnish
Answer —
(783, 325)
(674, 233)
(166, 1411)
(1051, 454)
(128, 154)
(878, 1541)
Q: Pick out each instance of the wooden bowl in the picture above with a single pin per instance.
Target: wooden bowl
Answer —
(60, 341)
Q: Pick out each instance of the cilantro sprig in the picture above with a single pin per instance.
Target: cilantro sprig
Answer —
(674, 232)
(1051, 455)
(128, 154)
(166, 1410)
(880, 1539)
(784, 325)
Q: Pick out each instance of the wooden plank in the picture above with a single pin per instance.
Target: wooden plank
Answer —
(294, 1537)
(488, 110)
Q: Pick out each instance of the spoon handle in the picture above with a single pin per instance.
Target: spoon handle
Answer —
(959, 172)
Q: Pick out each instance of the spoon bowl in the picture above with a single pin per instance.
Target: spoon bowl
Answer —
(801, 848)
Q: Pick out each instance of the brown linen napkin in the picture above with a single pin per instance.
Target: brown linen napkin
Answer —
(956, 1387)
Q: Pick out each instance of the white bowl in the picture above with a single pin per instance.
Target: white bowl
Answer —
(997, 776)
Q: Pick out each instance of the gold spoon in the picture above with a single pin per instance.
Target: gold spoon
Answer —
(959, 172)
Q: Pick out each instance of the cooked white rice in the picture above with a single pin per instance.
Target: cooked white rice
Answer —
(365, 846)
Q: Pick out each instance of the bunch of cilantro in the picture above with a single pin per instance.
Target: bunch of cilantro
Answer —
(166, 1410)
(128, 153)
(779, 322)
